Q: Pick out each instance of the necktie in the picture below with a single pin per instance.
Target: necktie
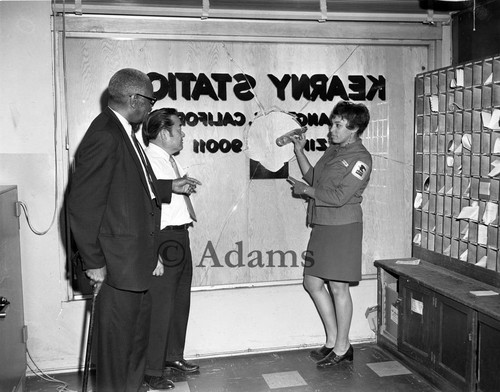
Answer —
(186, 197)
(147, 165)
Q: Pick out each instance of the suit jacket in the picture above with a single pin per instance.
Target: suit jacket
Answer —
(113, 219)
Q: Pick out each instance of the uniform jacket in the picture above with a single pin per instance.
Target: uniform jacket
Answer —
(113, 219)
(339, 178)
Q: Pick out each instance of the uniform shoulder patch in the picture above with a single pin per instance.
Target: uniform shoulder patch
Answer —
(360, 170)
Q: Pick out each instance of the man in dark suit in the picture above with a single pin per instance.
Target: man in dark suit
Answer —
(114, 216)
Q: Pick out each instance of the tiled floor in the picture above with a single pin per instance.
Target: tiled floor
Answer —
(373, 369)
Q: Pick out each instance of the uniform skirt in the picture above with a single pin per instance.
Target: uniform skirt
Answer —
(334, 252)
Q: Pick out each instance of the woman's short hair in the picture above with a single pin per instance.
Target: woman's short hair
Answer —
(356, 115)
(156, 121)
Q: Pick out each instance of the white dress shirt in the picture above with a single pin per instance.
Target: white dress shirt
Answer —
(175, 213)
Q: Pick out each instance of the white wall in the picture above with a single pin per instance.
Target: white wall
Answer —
(266, 318)
(27, 160)
(222, 321)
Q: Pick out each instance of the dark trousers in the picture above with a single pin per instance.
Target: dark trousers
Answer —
(122, 336)
(171, 299)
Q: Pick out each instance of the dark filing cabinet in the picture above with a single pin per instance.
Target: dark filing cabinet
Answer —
(12, 333)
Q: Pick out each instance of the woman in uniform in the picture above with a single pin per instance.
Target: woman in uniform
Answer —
(334, 187)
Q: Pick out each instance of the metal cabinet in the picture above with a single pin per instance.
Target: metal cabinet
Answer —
(436, 332)
(415, 320)
(488, 352)
(453, 347)
(12, 342)
(388, 308)
(441, 329)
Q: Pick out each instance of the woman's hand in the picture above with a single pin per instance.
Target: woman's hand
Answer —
(299, 143)
(300, 189)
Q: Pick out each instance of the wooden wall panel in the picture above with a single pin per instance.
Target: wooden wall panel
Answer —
(258, 216)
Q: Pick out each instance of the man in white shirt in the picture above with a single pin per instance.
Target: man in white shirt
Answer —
(171, 287)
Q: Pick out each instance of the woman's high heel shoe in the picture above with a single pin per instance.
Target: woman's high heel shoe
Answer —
(320, 353)
(333, 359)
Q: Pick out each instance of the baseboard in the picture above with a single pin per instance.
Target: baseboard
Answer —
(270, 350)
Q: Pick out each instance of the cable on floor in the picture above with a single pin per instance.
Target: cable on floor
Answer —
(62, 387)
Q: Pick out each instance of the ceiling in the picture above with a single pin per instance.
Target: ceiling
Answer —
(395, 10)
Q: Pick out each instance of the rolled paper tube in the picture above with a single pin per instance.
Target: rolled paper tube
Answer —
(287, 137)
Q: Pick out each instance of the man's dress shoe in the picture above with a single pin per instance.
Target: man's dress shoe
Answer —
(182, 366)
(334, 359)
(320, 353)
(157, 383)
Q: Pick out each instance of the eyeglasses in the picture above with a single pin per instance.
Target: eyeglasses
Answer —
(151, 100)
